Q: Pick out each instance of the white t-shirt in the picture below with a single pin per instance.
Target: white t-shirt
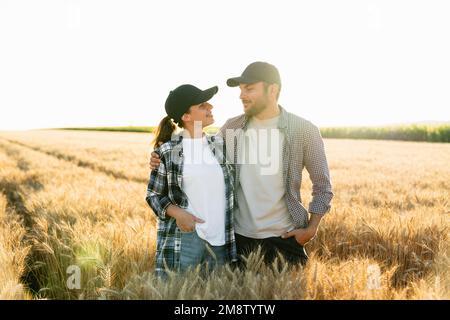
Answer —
(204, 185)
(262, 210)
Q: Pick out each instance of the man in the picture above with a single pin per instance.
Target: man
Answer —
(269, 148)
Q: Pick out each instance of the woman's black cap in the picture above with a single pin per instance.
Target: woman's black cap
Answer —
(183, 97)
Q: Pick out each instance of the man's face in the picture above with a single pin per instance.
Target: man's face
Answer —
(254, 97)
(200, 112)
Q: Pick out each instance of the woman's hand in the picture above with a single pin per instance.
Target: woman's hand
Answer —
(185, 220)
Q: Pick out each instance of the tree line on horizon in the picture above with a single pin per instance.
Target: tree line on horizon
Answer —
(428, 133)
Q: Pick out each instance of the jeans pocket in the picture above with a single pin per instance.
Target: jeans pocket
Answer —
(185, 232)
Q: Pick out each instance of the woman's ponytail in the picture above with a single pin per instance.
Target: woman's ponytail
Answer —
(164, 132)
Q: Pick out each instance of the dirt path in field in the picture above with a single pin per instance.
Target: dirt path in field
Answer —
(14, 191)
(79, 162)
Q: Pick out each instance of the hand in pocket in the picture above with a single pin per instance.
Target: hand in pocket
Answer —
(302, 236)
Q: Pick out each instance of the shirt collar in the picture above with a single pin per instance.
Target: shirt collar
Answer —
(282, 121)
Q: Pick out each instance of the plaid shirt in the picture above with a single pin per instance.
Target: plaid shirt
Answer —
(303, 148)
(165, 188)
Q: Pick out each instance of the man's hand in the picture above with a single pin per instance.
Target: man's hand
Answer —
(302, 236)
(154, 161)
(185, 221)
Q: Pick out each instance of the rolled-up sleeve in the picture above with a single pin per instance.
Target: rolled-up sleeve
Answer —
(157, 191)
(317, 166)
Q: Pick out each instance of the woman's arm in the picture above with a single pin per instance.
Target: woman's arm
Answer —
(158, 192)
(159, 201)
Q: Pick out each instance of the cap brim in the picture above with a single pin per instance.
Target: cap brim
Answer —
(206, 95)
(234, 82)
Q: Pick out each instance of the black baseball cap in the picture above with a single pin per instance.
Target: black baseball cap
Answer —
(256, 72)
(183, 97)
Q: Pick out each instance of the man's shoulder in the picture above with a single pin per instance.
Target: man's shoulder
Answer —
(235, 122)
(299, 123)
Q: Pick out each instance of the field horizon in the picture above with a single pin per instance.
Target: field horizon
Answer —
(429, 131)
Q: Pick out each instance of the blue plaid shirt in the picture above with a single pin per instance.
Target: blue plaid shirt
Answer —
(165, 188)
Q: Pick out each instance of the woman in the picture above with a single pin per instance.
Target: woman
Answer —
(192, 190)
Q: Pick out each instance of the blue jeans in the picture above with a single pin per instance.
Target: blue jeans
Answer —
(195, 251)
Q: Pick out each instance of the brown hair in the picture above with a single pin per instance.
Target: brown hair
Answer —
(164, 132)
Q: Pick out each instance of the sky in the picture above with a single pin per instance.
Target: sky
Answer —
(72, 63)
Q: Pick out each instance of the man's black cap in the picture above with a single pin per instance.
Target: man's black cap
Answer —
(256, 72)
(183, 97)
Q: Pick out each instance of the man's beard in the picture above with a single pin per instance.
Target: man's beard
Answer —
(256, 109)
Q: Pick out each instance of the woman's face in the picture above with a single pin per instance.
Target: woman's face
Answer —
(201, 113)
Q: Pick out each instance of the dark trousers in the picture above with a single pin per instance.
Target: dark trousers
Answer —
(289, 248)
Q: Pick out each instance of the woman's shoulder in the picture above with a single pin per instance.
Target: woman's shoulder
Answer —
(169, 146)
(214, 138)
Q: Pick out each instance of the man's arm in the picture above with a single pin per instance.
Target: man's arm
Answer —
(304, 235)
(316, 164)
(155, 161)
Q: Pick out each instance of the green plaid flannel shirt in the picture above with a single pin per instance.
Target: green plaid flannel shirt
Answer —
(165, 188)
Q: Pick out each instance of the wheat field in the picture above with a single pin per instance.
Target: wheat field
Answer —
(74, 198)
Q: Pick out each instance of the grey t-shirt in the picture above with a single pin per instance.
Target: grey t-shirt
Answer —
(262, 211)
